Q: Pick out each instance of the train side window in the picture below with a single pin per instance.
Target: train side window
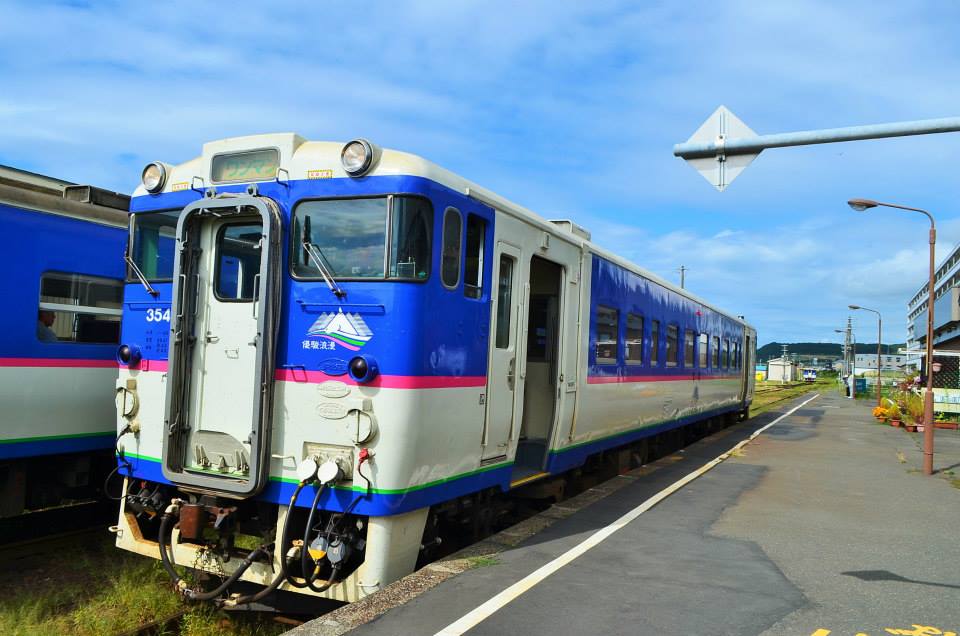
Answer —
(450, 252)
(411, 224)
(672, 348)
(726, 353)
(79, 308)
(608, 334)
(633, 352)
(702, 353)
(688, 348)
(238, 262)
(654, 342)
(715, 353)
(504, 302)
(473, 262)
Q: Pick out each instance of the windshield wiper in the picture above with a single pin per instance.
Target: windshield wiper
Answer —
(313, 251)
(143, 279)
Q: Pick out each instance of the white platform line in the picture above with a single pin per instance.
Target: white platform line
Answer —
(476, 616)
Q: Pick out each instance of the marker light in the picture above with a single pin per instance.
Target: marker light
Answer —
(153, 177)
(363, 369)
(357, 157)
(129, 355)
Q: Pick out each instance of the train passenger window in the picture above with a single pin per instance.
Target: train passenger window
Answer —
(473, 262)
(654, 342)
(672, 348)
(688, 342)
(411, 225)
(715, 353)
(726, 353)
(79, 308)
(238, 262)
(154, 239)
(450, 254)
(350, 235)
(633, 351)
(608, 332)
(504, 300)
(702, 353)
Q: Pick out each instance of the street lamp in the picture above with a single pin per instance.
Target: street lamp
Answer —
(865, 204)
(879, 340)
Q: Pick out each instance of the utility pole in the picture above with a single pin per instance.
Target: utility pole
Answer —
(682, 271)
(786, 363)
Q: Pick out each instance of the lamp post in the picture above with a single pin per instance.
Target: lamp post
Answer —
(879, 340)
(861, 205)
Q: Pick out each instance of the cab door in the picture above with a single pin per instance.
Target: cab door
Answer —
(222, 345)
(504, 381)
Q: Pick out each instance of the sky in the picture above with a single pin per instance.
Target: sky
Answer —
(568, 108)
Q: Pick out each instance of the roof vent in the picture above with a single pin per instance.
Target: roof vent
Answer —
(572, 227)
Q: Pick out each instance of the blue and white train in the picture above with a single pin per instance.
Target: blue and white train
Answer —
(62, 296)
(340, 344)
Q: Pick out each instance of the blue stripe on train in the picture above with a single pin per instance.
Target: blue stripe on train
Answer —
(31, 448)
(384, 504)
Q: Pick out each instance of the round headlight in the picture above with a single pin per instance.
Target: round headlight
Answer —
(153, 177)
(356, 157)
(363, 369)
(129, 355)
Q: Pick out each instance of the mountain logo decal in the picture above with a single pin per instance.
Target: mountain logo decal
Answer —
(346, 330)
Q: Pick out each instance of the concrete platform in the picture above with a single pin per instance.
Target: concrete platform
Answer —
(821, 525)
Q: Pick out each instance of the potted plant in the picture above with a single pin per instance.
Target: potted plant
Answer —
(893, 412)
(880, 413)
(942, 421)
(914, 411)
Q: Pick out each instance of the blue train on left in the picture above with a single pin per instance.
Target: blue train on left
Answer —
(62, 303)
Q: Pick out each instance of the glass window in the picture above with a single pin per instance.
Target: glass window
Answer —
(349, 234)
(715, 353)
(689, 338)
(726, 353)
(504, 299)
(78, 308)
(450, 256)
(473, 265)
(608, 331)
(238, 261)
(702, 351)
(411, 227)
(634, 343)
(654, 342)
(672, 348)
(154, 243)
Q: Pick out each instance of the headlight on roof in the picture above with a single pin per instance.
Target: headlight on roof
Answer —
(153, 177)
(358, 156)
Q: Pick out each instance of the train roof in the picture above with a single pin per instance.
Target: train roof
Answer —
(33, 191)
(303, 159)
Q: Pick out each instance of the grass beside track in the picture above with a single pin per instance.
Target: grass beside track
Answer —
(768, 395)
(83, 585)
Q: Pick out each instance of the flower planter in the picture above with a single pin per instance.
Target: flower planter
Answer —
(895, 422)
(910, 427)
(950, 426)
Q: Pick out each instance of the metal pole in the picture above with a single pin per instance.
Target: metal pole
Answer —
(755, 144)
(879, 340)
(928, 397)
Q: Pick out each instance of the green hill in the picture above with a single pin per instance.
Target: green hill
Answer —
(823, 350)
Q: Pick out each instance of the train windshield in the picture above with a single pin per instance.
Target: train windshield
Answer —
(154, 239)
(373, 238)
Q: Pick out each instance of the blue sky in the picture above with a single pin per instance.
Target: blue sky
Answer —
(569, 108)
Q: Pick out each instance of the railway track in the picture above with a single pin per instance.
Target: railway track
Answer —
(50, 522)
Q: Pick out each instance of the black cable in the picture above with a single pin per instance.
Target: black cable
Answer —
(310, 574)
(123, 463)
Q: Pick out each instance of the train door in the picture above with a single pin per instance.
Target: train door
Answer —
(746, 369)
(220, 376)
(504, 384)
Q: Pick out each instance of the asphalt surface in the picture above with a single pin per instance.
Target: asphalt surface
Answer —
(822, 525)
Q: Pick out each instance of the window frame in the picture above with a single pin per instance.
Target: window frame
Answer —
(80, 309)
(676, 346)
(219, 262)
(388, 235)
(655, 359)
(605, 361)
(691, 361)
(508, 329)
(481, 289)
(703, 350)
(129, 275)
(627, 341)
(443, 237)
(715, 352)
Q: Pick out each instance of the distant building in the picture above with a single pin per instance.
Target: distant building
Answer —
(782, 370)
(946, 309)
(893, 362)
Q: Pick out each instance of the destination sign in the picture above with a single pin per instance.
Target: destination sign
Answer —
(254, 165)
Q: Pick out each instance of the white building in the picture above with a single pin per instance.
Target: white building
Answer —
(782, 370)
(892, 362)
(946, 309)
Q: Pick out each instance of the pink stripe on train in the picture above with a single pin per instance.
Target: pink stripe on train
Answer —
(385, 381)
(57, 363)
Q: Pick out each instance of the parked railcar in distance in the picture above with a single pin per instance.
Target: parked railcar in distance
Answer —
(61, 303)
(393, 342)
